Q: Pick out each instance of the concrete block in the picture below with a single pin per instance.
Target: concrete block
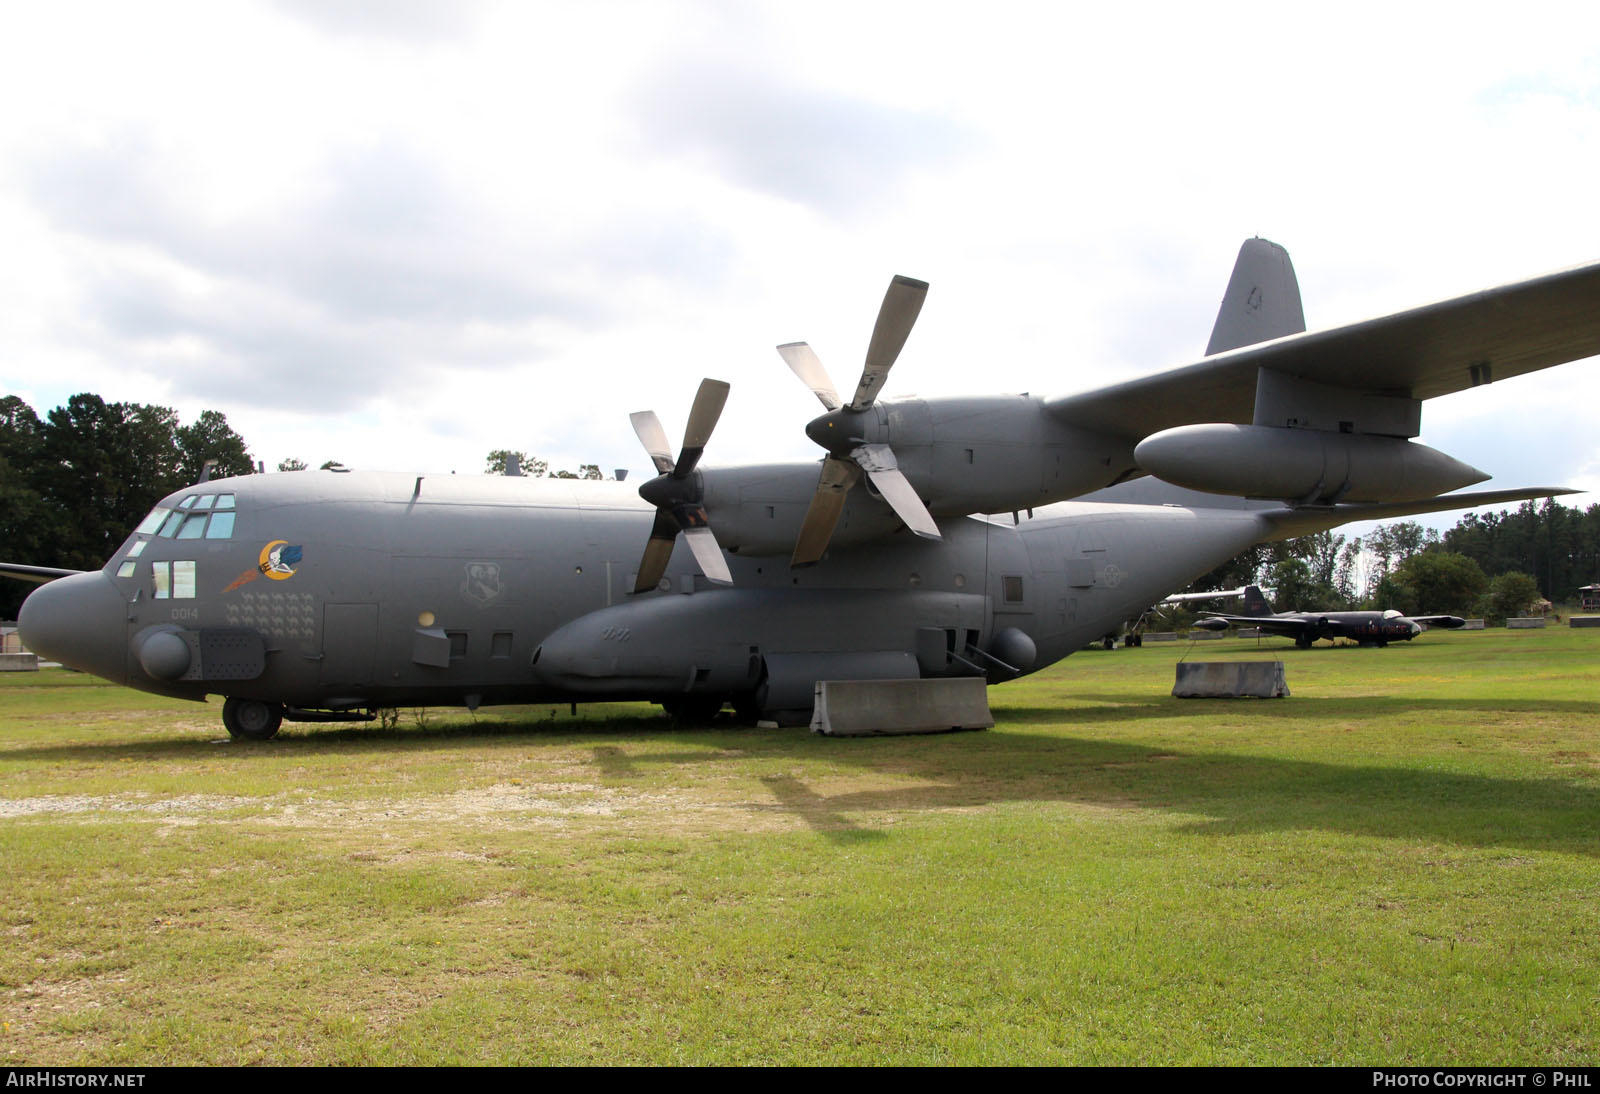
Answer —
(1527, 622)
(1230, 680)
(1160, 636)
(1248, 632)
(1584, 621)
(19, 662)
(871, 708)
(1472, 625)
(1205, 636)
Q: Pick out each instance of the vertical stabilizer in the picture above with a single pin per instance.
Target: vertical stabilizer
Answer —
(1262, 301)
(1254, 603)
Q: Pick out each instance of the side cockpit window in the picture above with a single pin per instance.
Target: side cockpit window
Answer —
(157, 517)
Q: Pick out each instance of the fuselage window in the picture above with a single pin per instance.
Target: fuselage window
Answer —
(221, 526)
(150, 523)
(125, 570)
(138, 548)
(163, 575)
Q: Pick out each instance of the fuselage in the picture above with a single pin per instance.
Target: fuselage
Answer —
(330, 591)
(1373, 627)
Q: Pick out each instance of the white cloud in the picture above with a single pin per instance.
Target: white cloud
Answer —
(406, 234)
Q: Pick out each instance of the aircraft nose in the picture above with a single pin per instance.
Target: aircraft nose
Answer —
(81, 621)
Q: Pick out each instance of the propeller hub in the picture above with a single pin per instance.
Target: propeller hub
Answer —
(838, 430)
(668, 491)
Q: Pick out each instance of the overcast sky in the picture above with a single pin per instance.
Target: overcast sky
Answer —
(402, 233)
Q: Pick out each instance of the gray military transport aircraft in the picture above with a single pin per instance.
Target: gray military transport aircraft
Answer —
(320, 595)
(1370, 628)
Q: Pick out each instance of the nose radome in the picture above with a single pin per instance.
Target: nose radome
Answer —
(81, 621)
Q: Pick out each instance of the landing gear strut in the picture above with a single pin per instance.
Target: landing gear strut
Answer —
(251, 719)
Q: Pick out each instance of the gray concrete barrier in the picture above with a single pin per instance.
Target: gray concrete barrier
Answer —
(1204, 636)
(1584, 621)
(1160, 636)
(1230, 680)
(1526, 622)
(19, 662)
(1472, 625)
(871, 708)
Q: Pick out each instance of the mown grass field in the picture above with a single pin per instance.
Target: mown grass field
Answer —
(1398, 864)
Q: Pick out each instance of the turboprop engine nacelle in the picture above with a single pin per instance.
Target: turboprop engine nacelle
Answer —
(1302, 465)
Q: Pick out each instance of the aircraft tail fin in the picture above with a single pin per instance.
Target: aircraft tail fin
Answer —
(1262, 301)
(1254, 602)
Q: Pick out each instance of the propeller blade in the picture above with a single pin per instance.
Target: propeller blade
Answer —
(878, 461)
(703, 417)
(708, 554)
(822, 515)
(647, 427)
(804, 363)
(901, 305)
(656, 552)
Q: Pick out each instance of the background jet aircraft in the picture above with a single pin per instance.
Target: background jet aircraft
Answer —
(1367, 628)
(321, 595)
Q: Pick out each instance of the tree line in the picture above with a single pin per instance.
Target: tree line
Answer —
(1489, 564)
(75, 483)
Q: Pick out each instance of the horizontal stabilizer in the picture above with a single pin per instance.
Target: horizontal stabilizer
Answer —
(1288, 523)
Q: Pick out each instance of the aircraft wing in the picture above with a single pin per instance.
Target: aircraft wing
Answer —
(1449, 622)
(37, 574)
(1289, 625)
(1184, 598)
(1428, 351)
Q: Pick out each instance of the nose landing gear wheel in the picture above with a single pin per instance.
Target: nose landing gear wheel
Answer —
(251, 719)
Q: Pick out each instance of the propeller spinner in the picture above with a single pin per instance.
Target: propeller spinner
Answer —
(676, 493)
(848, 453)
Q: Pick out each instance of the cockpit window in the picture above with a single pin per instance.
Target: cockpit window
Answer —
(187, 503)
(195, 524)
(224, 501)
(153, 521)
(204, 501)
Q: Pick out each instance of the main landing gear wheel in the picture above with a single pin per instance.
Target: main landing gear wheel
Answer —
(694, 710)
(251, 719)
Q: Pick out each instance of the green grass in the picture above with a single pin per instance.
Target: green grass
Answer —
(1398, 864)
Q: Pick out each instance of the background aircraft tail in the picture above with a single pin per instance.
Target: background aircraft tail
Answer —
(1254, 602)
(1262, 301)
